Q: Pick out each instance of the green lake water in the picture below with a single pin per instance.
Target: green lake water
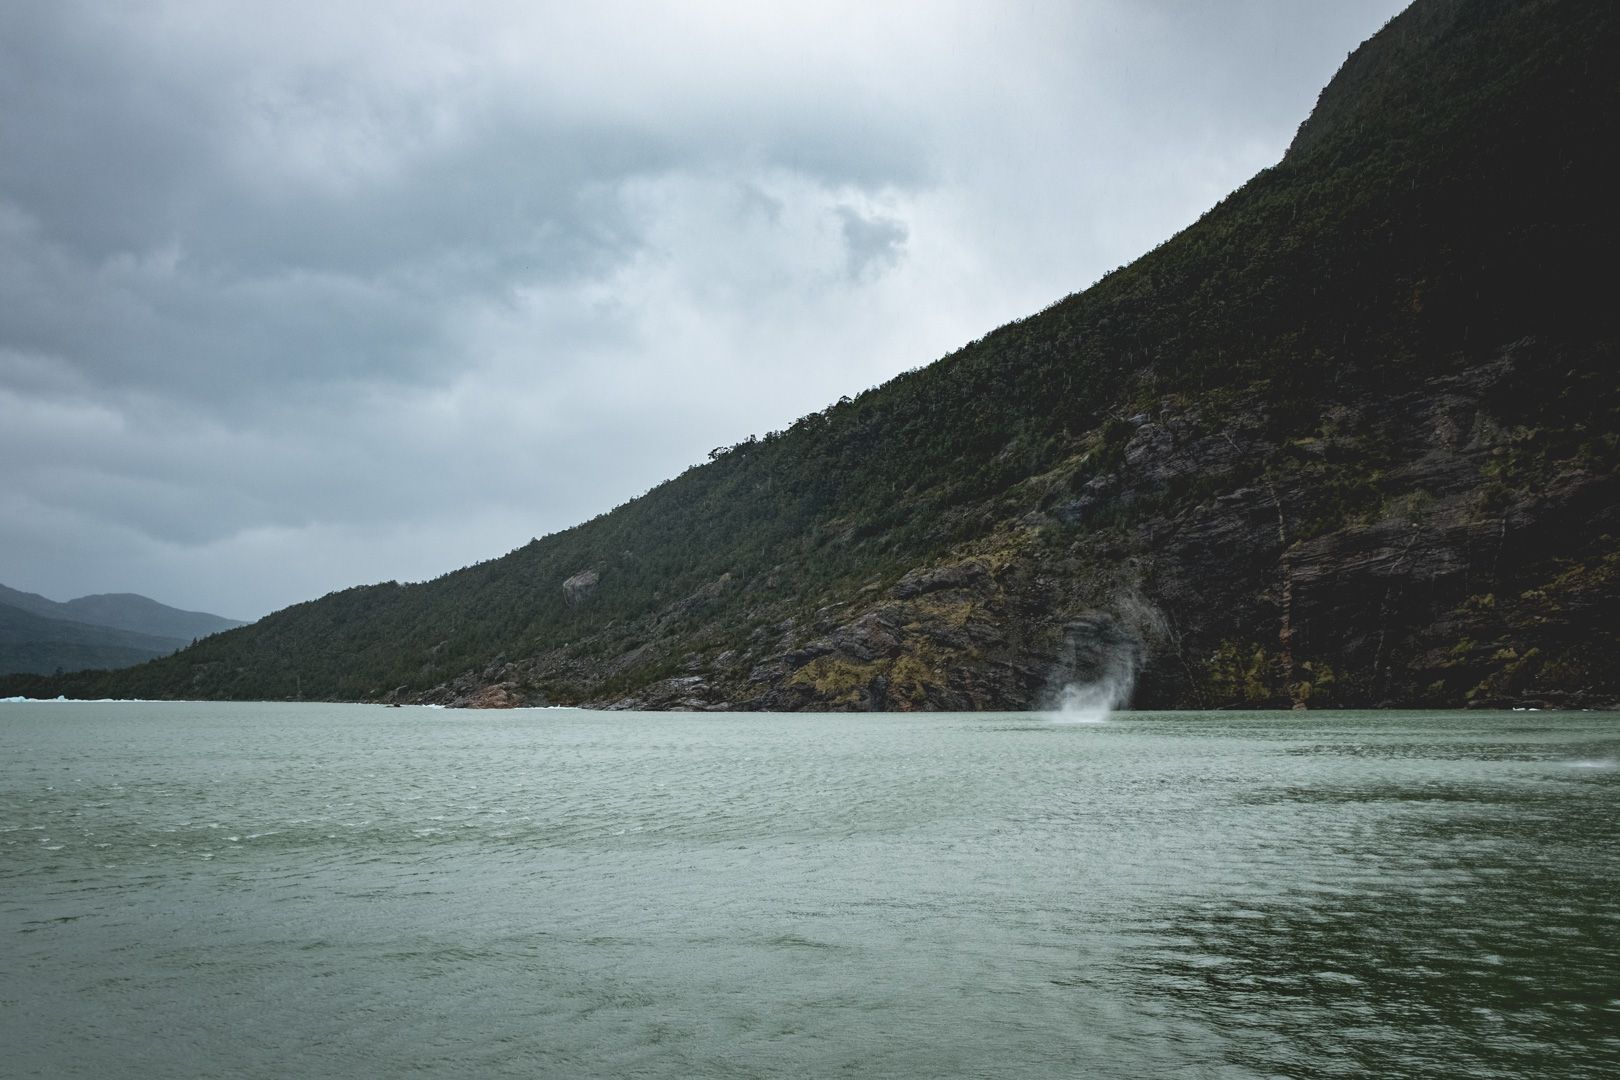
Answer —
(251, 890)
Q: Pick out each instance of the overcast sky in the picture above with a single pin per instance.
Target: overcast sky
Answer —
(304, 295)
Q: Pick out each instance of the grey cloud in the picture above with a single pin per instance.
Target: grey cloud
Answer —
(291, 300)
(874, 242)
(276, 276)
(103, 148)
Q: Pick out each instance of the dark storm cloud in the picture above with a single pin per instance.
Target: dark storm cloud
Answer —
(296, 296)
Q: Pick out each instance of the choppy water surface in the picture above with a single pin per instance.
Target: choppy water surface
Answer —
(310, 890)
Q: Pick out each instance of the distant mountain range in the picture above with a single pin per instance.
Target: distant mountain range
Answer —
(1352, 439)
(108, 630)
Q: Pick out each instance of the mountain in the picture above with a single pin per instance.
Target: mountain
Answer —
(106, 631)
(1350, 439)
(33, 643)
(130, 611)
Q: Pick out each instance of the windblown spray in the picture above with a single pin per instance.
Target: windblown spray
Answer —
(1096, 669)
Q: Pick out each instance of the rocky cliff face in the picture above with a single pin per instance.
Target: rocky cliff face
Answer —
(1417, 549)
(1413, 498)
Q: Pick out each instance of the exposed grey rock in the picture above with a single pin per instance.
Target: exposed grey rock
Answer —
(578, 590)
(920, 581)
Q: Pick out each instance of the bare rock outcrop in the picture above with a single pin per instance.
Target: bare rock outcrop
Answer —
(578, 590)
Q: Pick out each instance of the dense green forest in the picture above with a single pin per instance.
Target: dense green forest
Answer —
(1349, 439)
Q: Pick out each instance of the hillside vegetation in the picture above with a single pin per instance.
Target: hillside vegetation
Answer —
(1349, 439)
(109, 630)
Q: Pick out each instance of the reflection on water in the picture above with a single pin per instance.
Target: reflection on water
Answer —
(252, 890)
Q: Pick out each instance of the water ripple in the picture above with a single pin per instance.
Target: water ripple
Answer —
(203, 890)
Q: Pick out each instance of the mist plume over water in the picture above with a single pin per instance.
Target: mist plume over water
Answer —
(1096, 670)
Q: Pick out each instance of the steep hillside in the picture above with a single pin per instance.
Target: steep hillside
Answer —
(1350, 439)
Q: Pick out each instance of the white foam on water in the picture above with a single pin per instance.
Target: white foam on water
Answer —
(1087, 704)
(1095, 672)
(1095, 702)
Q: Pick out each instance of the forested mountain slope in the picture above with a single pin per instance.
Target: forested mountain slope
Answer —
(31, 642)
(108, 630)
(1350, 439)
